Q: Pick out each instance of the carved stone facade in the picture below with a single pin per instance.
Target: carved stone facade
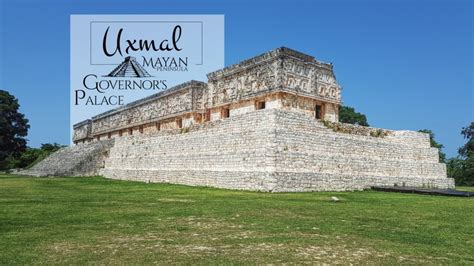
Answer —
(282, 79)
(150, 114)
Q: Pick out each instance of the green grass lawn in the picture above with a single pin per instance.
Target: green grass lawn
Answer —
(102, 221)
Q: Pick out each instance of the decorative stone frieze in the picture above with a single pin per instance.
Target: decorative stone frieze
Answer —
(300, 81)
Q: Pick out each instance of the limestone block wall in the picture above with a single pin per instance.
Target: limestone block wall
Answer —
(242, 108)
(215, 114)
(150, 128)
(246, 106)
(284, 101)
(277, 150)
(313, 157)
(268, 150)
(296, 103)
(331, 112)
(230, 153)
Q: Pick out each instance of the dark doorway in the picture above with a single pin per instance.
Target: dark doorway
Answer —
(319, 111)
(225, 112)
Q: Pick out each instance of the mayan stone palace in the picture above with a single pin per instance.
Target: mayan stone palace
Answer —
(269, 123)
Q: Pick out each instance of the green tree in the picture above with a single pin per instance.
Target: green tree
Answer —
(435, 144)
(461, 168)
(32, 156)
(48, 147)
(349, 115)
(464, 171)
(26, 158)
(455, 169)
(13, 129)
(468, 149)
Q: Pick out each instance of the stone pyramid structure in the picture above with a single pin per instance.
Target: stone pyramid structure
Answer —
(269, 123)
(129, 68)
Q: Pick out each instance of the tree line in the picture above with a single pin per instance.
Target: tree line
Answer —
(14, 153)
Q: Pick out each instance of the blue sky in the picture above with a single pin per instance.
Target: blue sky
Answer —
(405, 64)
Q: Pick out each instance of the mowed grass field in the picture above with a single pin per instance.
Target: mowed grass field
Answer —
(101, 221)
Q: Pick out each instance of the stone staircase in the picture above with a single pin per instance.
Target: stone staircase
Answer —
(80, 160)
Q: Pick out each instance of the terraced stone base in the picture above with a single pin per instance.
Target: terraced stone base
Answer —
(274, 182)
(272, 150)
(298, 182)
(261, 181)
(277, 150)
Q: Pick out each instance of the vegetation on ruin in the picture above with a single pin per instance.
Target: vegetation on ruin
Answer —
(378, 133)
(350, 129)
(103, 221)
(184, 130)
(348, 116)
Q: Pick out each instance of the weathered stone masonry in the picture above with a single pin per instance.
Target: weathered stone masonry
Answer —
(257, 125)
(281, 78)
(183, 104)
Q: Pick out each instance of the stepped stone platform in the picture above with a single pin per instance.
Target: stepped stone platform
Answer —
(268, 123)
(267, 150)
